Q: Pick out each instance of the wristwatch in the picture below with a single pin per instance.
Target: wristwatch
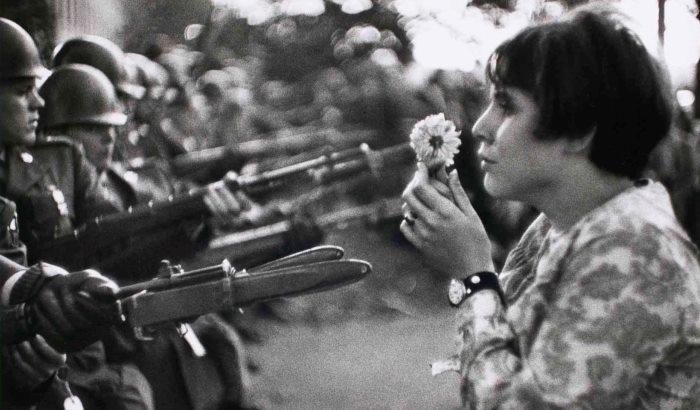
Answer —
(461, 289)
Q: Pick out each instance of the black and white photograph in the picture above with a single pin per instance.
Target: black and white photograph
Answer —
(349, 204)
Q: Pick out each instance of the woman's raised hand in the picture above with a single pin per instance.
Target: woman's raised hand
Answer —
(446, 230)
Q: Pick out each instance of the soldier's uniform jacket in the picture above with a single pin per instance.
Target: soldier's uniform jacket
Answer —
(11, 246)
(603, 315)
(138, 258)
(138, 183)
(54, 187)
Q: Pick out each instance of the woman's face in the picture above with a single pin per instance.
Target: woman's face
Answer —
(516, 165)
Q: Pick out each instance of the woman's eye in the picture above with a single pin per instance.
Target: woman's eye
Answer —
(505, 105)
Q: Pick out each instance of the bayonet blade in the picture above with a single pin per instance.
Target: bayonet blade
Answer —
(296, 280)
(313, 255)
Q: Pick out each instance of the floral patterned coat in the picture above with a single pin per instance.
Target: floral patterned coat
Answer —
(603, 315)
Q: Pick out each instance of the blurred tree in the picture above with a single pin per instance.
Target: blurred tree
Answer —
(35, 16)
(157, 21)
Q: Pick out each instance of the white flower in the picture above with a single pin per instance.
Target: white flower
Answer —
(435, 141)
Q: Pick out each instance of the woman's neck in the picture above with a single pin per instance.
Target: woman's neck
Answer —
(584, 190)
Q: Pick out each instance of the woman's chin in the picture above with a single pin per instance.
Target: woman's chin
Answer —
(494, 187)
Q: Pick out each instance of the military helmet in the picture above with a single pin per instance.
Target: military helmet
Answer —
(19, 56)
(102, 54)
(79, 94)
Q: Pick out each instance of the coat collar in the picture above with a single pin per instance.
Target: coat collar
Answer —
(23, 170)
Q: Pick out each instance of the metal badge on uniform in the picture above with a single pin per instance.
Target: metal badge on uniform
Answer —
(59, 199)
(57, 195)
(72, 402)
(26, 157)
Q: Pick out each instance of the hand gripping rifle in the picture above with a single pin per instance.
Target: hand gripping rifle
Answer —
(175, 296)
(99, 235)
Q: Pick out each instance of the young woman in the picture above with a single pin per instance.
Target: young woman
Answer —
(598, 306)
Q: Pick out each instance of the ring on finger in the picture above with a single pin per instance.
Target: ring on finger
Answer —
(409, 218)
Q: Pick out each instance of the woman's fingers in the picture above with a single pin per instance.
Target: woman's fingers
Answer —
(460, 196)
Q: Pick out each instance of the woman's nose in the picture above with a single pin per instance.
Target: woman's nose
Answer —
(481, 130)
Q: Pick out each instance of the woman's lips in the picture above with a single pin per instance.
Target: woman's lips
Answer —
(486, 163)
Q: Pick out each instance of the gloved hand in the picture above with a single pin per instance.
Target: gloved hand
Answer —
(29, 364)
(71, 310)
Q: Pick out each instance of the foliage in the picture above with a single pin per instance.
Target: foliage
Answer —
(37, 17)
(160, 21)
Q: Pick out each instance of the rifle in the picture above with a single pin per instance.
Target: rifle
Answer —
(281, 143)
(249, 246)
(83, 244)
(176, 296)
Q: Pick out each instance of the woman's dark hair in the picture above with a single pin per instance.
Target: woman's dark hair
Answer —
(588, 72)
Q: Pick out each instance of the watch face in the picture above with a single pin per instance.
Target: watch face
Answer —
(456, 291)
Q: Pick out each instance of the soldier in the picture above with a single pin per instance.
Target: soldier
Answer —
(50, 180)
(30, 367)
(162, 137)
(81, 104)
(29, 370)
(53, 186)
(107, 57)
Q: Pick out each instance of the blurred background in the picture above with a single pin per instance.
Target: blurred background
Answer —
(275, 82)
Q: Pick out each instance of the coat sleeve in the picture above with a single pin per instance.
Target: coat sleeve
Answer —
(91, 198)
(599, 331)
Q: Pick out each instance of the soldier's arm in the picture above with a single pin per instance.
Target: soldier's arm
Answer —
(68, 309)
(91, 199)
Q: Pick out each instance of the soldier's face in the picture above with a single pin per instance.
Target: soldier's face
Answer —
(98, 142)
(19, 111)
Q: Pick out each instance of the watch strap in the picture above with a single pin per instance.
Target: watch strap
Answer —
(480, 281)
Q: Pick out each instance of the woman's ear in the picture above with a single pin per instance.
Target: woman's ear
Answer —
(580, 144)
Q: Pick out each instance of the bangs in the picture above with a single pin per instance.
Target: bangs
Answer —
(513, 63)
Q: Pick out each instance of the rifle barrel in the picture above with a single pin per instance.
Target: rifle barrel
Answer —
(178, 279)
(107, 230)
